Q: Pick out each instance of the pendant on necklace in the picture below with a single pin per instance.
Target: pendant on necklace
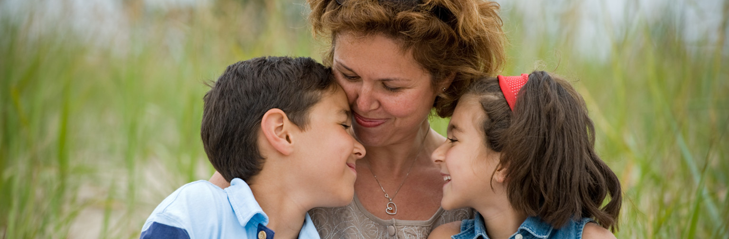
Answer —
(391, 208)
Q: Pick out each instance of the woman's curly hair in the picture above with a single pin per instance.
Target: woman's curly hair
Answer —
(459, 38)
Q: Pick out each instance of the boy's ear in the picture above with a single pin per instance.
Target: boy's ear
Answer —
(276, 127)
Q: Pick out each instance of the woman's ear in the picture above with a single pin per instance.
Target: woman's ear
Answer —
(447, 82)
(275, 126)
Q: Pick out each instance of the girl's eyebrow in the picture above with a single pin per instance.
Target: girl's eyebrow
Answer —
(452, 127)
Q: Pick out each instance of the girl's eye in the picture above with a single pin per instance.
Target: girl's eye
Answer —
(346, 126)
(452, 140)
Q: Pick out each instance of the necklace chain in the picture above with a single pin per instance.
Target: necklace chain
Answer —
(391, 208)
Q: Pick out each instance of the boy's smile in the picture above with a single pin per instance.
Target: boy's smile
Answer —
(329, 151)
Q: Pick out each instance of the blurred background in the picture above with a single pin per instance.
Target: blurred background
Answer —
(101, 101)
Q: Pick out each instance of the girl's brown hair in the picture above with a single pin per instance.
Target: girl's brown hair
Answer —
(547, 147)
(447, 37)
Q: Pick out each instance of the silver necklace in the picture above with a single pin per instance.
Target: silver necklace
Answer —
(391, 208)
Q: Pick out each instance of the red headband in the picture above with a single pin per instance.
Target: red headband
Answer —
(510, 86)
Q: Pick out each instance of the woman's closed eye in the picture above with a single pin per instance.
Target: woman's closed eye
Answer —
(350, 77)
(392, 89)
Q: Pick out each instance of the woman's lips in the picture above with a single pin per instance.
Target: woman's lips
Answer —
(367, 122)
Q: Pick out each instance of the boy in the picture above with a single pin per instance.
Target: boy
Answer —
(277, 129)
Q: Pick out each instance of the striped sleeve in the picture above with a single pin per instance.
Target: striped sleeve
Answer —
(162, 231)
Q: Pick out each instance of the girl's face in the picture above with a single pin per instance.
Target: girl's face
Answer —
(389, 92)
(466, 163)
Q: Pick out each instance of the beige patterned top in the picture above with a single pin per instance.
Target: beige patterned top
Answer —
(354, 221)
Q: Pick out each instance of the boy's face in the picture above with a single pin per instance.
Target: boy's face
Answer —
(328, 151)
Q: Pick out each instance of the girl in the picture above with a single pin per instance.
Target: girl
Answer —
(527, 166)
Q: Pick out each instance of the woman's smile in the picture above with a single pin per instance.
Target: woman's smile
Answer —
(368, 122)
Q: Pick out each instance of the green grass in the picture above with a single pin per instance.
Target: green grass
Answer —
(93, 137)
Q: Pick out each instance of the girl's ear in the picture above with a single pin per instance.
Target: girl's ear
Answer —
(500, 173)
(276, 128)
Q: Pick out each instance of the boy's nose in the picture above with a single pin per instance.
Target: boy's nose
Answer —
(359, 150)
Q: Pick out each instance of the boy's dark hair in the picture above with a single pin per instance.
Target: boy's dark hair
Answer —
(547, 144)
(237, 102)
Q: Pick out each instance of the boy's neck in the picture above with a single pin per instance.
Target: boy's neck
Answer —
(280, 202)
(500, 219)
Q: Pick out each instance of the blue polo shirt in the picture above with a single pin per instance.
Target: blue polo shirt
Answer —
(202, 210)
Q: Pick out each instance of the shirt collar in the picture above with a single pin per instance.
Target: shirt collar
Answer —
(479, 226)
(244, 205)
(308, 230)
(536, 227)
(532, 225)
(248, 211)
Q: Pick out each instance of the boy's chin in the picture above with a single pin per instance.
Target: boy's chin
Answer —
(341, 200)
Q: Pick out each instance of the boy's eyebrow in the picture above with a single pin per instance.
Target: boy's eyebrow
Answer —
(347, 112)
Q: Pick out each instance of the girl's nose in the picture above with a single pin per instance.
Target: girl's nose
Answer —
(438, 156)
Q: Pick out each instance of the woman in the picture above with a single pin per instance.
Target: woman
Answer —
(396, 61)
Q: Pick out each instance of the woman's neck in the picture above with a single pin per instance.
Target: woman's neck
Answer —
(500, 218)
(396, 159)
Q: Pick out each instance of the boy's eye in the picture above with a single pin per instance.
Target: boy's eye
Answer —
(346, 126)
(452, 140)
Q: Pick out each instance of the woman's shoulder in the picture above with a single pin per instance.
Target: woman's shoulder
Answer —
(446, 230)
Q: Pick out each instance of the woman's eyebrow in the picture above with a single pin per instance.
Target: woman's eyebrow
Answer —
(339, 63)
(394, 79)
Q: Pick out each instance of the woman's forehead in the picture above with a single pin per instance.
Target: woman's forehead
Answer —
(377, 56)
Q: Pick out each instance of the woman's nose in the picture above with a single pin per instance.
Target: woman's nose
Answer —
(366, 100)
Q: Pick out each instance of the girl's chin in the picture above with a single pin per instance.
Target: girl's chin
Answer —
(446, 206)
(450, 203)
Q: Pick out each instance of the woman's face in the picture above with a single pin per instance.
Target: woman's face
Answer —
(389, 92)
